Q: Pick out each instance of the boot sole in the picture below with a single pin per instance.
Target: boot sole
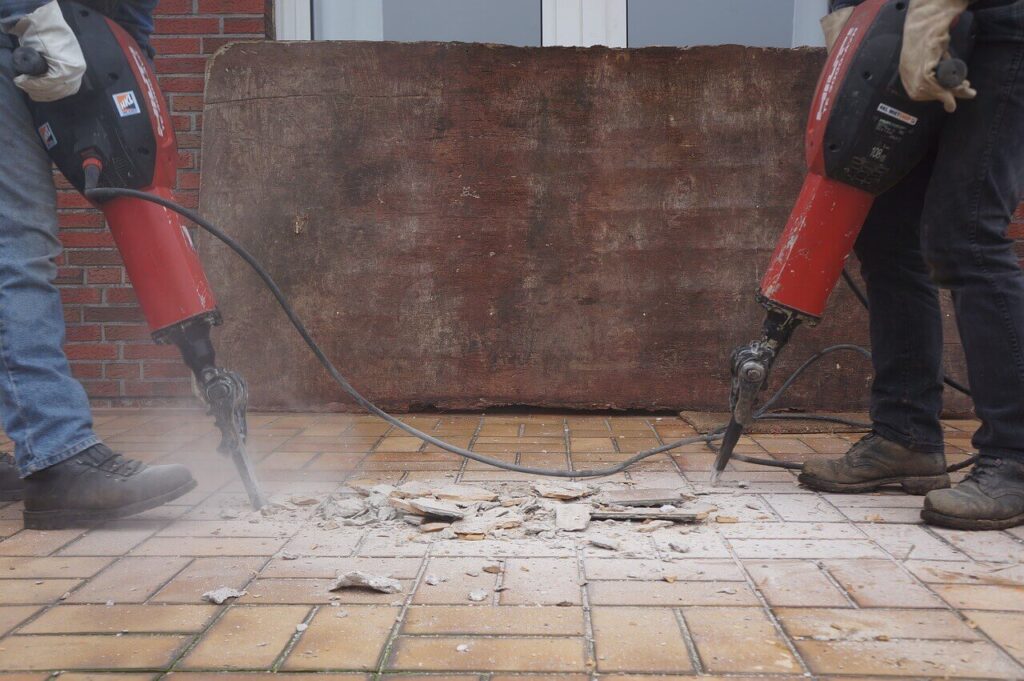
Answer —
(955, 523)
(64, 518)
(916, 486)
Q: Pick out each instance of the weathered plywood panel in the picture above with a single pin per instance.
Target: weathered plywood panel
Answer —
(470, 225)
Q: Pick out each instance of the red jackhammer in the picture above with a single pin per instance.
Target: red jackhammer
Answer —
(864, 134)
(115, 132)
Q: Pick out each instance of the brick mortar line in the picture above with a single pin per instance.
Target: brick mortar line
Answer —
(947, 605)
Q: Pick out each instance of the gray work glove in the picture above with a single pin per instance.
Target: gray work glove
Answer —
(925, 43)
(45, 31)
(832, 25)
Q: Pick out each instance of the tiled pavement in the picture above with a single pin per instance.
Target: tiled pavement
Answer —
(803, 585)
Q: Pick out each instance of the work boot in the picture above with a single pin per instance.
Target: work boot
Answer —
(991, 497)
(11, 487)
(97, 485)
(874, 462)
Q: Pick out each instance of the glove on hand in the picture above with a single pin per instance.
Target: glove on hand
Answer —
(925, 43)
(832, 25)
(46, 31)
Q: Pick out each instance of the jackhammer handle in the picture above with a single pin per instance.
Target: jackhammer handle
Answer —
(951, 72)
(28, 62)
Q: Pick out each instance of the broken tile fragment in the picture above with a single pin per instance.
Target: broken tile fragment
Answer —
(222, 594)
(362, 580)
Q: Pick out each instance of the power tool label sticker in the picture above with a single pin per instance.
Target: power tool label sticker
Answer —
(893, 112)
(46, 134)
(127, 104)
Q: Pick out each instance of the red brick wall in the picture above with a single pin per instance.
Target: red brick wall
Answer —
(108, 341)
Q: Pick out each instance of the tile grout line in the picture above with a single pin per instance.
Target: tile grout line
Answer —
(589, 638)
(691, 645)
(766, 607)
(396, 628)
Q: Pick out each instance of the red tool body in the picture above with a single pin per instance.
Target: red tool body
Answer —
(864, 134)
(116, 133)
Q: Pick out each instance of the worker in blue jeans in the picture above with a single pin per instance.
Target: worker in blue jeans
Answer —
(945, 226)
(65, 474)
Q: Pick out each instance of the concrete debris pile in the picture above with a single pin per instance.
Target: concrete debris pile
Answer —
(543, 510)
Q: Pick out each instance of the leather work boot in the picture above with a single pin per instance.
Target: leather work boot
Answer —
(97, 485)
(874, 462)
(991, 497)
(11, 487)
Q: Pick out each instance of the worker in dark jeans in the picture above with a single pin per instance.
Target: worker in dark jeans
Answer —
(65, 474)
(945, 226)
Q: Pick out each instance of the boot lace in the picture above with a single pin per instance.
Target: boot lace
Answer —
(983, 470)
(106, 460)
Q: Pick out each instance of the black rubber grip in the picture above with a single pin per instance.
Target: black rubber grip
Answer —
(28, 62)
(950, 73)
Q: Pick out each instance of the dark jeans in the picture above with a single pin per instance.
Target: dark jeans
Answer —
(945, 226)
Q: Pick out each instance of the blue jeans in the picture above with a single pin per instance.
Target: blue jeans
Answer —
(945, 226)
(45, 411)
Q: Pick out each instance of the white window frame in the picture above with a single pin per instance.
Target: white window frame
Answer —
(293, 19)
(583, 23)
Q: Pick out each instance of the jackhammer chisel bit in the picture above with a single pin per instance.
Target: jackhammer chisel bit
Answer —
(228, 396)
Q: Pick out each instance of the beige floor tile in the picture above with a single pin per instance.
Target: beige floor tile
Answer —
(488, 654)
(945, 659)
(327, 568)
(311, 541)
(13, 615)
(36, 542)
(246, 637)
(262, 676)
(34, 591)
(911, 541)
(795, 583)
(57, 567)
(687, 569)
(205, 574)
(459, 576)
(209, 546)
(805, 548)
(993, 547)
(111, 540)
(131, 651)
(738, 640)
(966, 572)
(667, 594)
(494, 621)
(880, 584)
(129, 580)
(541, 581)
(982, 596)
(101, 619)
(109, 676)
(1006, 629)
(863, 625)
(352, 642)
(639, 640)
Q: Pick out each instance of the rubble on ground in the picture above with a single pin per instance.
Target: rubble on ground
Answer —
(363, 580)
(220, 595)
(622, 517)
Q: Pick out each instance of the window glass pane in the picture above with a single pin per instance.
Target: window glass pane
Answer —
(348, 20)
(760, 23)
(512, 22)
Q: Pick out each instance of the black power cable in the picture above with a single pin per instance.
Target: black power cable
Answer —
(105, 193)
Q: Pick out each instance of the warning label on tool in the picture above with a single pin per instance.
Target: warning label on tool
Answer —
(897, 114)
(46, 134)
(127, 104)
